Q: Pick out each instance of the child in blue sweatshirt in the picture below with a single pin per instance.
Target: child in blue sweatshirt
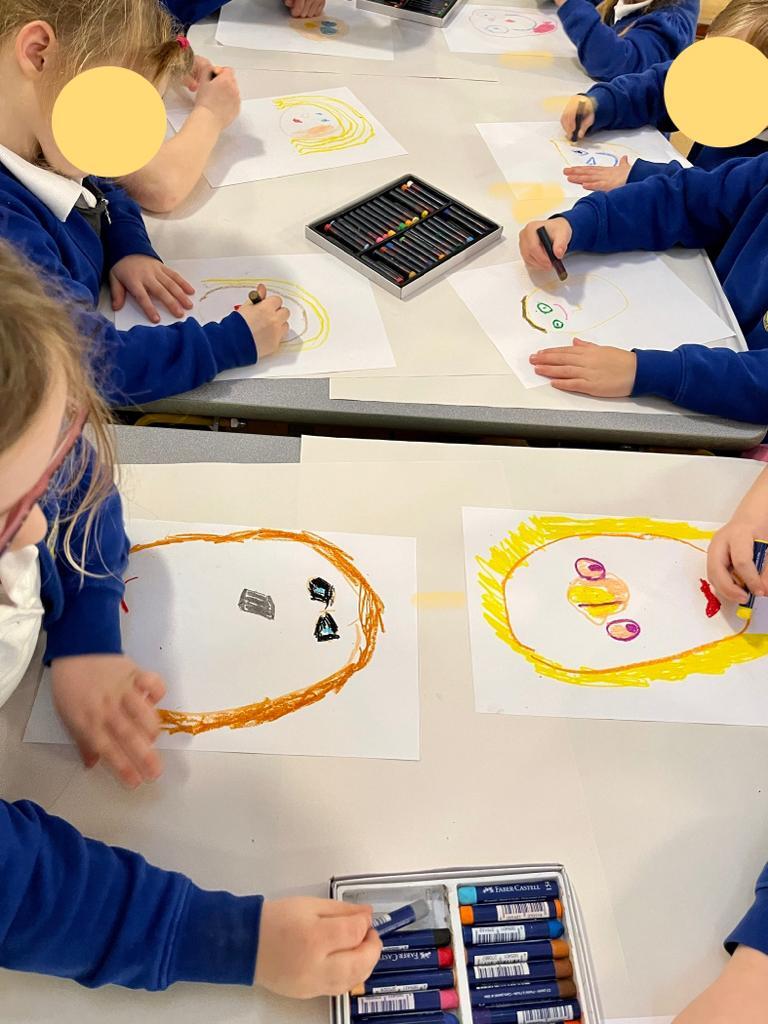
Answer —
(79, 230)
(190, 11)
(70, 906)
(619, 38)
(723, 211)
(633, 101)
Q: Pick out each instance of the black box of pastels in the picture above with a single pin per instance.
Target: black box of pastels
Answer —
(428, 12)
(405, 235)
(498, 945)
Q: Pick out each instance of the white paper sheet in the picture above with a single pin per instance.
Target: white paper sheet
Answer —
(593, 617)
(628, 301)
(282, 135)
(491, 29)
(327, 302)
(537, 152)
(340, 31)
(190, 621)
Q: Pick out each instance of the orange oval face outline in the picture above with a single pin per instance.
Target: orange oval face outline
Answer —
(370, 610)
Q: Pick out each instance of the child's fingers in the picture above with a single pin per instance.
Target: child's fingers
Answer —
(182, 282)
(144, 302)
(161, 294)
(578, 386)
(580, 342)
(120, 764)
(560, 372)
(338, 908)
(87, 753)
(117, 290)
(143, 713)
(172, 285)
(352, 967)
(135, 747)
(742, 560)
(558, 357)
(344, 932)
(152, 685)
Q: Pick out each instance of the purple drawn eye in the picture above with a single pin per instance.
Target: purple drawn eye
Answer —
(590, 569)
(623, 629)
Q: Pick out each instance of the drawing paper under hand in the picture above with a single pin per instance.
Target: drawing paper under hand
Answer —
(485, 29)
(538, 152)
(282, 135)
(312, 639)
(605, 617)
(326, 300)
(628, 301)
(340, 31)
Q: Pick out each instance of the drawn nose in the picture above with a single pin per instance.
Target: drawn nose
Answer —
(596, 593)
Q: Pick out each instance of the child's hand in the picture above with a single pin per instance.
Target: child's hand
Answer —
(305, 8)
(220, 95)
(588, 369)
(144, 278)
(311, 947)
(268, 321)
(533, 251)
(108, 705)
(568, 118)
(201, 69)
(730, 565)
(600, 179)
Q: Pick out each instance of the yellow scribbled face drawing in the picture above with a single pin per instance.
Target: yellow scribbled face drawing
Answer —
(309, 324)
(618, 602)
(591, 154)
(576, 306)
(322, 124)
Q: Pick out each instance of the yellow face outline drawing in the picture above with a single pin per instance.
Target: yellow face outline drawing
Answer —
(320, 28)
(554, 309)
(539, 532)
(322, 124)
(310, 322)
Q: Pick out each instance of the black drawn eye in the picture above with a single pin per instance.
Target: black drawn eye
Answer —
(321, 590)
(326, 628)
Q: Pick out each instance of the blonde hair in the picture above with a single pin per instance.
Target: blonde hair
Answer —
(607, 7)
(747, 19)
(39, 340)
(136, 34)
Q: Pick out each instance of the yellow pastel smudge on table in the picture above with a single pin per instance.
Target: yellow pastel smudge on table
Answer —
(530, 199)
(555, 103)
(513, 59)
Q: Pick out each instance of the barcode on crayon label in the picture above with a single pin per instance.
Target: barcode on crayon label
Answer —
(502, 971)
(400, 988)
(516, 911)
(545, 1014)
(385, 1004)
(500, 958)
(483, 936)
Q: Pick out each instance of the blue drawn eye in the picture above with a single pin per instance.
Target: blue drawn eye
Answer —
(543, 307)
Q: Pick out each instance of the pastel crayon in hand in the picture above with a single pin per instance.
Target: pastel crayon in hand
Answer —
(391, 921)
(509, 892)
(759, 550)
(557, 263)
(581, 111)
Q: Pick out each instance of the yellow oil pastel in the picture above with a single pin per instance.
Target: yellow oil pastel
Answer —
(538, 532)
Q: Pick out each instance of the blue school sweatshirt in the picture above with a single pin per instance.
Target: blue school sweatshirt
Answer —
(724, 211)
(752, 930)
(633, 101)
(190, 11)
(632, 44)
(143, 363)
(75, 908)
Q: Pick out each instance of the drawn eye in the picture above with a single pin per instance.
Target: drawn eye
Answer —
(623, 629)
(558, 324)
(326, 628)
(543, 307)
(590, 569)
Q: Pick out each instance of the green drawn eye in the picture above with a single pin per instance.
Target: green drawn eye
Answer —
(558, 324)
(543, 307)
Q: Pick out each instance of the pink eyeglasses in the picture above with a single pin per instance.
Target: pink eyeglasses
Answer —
(19, 514)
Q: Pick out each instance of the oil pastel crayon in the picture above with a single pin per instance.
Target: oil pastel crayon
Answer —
(557, 263)
(487, 913)
(426, 959)
(451, 234)
(450, 214)
(495, 934)
(553, 1014)
(387, 921)
(404, 1002)
(393, 220)
(581, 111)
(424, 246)
(383, 268)
(416, 211)
(407, 215)
(509, 892)
(423, 1018)
(378, 232)
(396, 249)
(395, 264)
(410, 981)
(539, 970)
(425, 194)
(425, 938)
(345, 234)
(744, 611)
(467, 217)
(520, 952)
(407, 195)
(525, 994)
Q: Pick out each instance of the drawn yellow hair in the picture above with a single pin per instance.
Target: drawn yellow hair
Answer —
(352, 127)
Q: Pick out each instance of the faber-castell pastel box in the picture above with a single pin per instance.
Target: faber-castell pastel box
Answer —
(440, 890)
(428, 12)
(404, 235)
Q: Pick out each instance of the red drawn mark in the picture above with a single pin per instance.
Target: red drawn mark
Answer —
(713, 601)
(545, 26)
(123, 604)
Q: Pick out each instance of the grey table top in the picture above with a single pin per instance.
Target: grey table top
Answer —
(138, 445)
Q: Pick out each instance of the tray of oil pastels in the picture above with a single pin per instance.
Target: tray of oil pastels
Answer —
(428, 12)
(405, 235)
(501, 945)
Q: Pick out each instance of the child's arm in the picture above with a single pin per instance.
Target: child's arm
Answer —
(605, 179)
(606, 54)
(730, 565)
(169, 177)
(75, 908)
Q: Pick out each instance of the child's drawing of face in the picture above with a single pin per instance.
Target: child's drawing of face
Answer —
(306, 122)
(320, 28)
(575, 306)
(504, 23)
(591, 155)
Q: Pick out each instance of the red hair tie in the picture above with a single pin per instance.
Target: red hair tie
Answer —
(183, 42)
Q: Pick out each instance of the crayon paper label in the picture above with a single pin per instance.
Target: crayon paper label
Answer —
(385, 1004)
(499, 958)
(516, 911)
(545, 1015)
(502, 971)
(401, 988)
(483, 936)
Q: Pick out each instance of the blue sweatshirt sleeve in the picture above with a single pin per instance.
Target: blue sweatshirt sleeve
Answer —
(752, 930)
(75, 908)
(125, 233)
(633, 101)
(143, 363)
(642, 169)
(190, 11)
(651, 38)
(695, 209)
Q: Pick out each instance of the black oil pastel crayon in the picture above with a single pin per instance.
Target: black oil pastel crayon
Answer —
(381, 266)
(581, 111)
(377, 232)
(396, 219)
(415, 188)
(351, 238)
(469, 218)
(424, 246)
(451, 233)
(416, 261)
(557, 264)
